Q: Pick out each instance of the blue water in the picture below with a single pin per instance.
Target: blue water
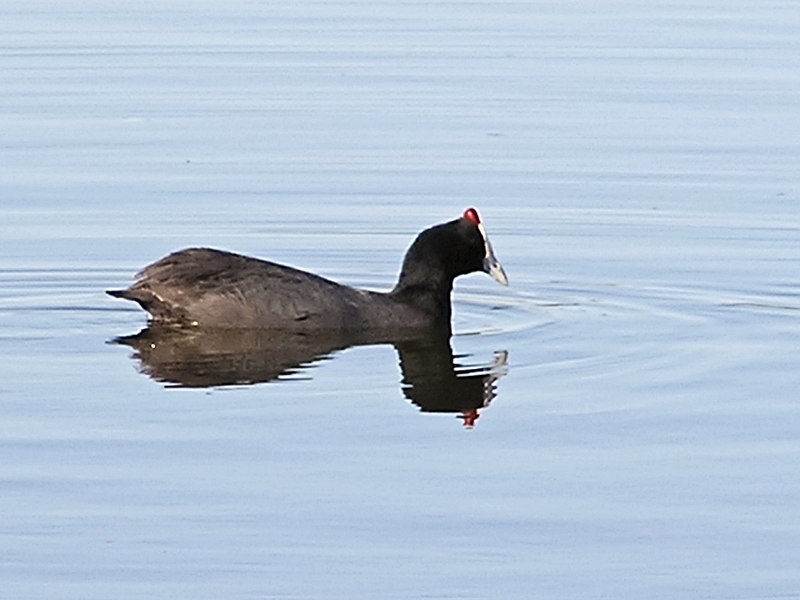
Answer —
(636, 167)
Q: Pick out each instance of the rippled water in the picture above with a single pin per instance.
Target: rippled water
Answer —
(635, 399)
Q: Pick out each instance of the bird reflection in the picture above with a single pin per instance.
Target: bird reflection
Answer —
(432, 377)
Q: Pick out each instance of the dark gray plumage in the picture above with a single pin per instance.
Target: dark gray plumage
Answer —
(213, 288)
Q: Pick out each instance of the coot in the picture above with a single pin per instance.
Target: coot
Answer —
(213, 288)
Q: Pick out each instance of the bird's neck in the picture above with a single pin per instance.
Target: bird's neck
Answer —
(431, 296)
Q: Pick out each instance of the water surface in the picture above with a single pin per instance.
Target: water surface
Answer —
(636, 169)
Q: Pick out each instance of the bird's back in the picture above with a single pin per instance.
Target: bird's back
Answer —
(213, 288)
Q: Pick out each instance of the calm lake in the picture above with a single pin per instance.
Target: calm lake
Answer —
(621, 422)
